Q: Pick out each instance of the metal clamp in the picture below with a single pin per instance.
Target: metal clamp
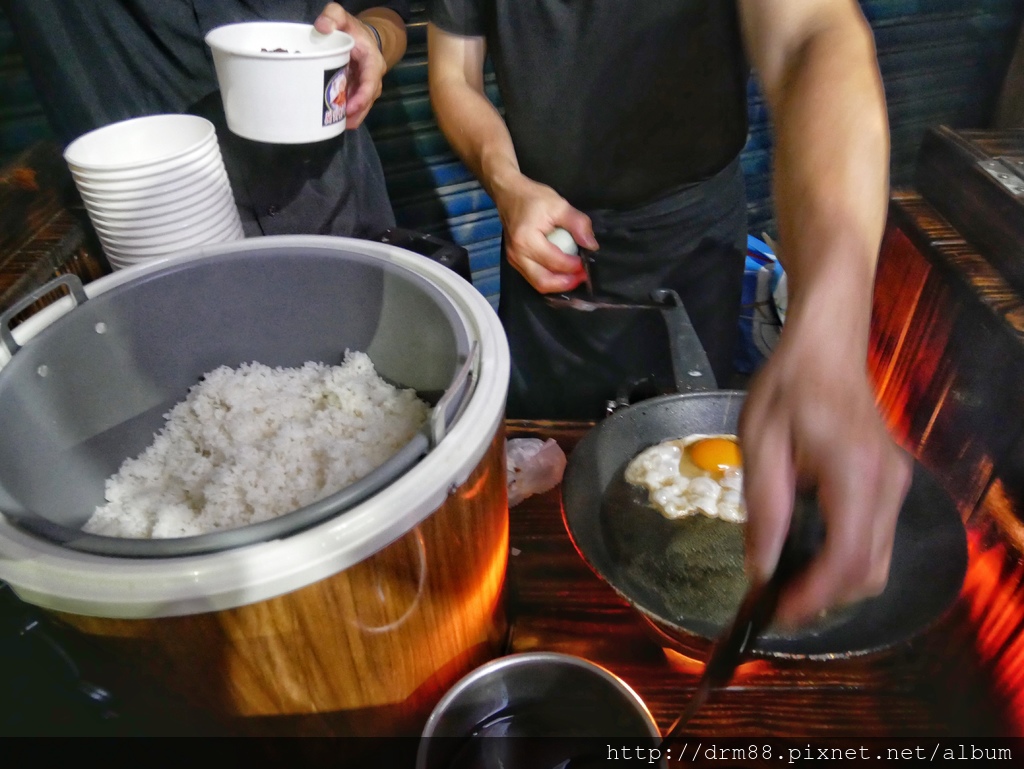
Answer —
(75, 289)
(1008, 171)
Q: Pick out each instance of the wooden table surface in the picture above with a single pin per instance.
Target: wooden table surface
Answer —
(928, 689)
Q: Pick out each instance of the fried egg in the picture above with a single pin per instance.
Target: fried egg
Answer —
(696, 474)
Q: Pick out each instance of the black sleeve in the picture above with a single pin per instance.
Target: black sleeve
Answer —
(460, 17)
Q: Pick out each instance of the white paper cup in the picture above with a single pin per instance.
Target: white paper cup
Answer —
(281, 83)
(139, 143)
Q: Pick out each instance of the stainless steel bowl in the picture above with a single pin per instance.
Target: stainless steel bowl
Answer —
(539, 710)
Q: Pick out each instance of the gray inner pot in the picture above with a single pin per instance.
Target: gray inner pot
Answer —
(92, 388)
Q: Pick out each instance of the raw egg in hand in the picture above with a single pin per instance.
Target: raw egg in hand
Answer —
(695, 474)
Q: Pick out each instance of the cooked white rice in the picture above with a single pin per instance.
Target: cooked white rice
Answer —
(252, 443)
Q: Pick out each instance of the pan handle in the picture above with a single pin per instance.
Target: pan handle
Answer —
(690, 365)
(75, 289)
(691, 369)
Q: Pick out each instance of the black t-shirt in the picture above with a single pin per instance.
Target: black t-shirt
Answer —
(614, 103)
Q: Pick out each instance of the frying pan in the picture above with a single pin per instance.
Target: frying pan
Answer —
(685, 577)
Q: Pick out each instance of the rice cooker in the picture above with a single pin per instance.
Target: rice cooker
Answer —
(354, 623)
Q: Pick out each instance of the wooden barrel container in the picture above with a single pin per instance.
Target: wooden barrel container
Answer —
(366, 651)
(355, 625)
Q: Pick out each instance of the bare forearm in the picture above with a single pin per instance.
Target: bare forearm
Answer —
(810, 419)
(831, 178)
(472, 125)
(477, 133)
(391, 28)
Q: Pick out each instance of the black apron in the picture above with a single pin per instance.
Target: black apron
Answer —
(567, 364)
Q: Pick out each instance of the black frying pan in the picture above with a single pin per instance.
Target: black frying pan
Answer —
(686, 576)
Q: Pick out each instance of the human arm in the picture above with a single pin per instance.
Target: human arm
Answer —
(368, 65)
(810, 417)
(478, 134)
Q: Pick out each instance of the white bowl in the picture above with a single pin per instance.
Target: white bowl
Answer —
(156, 215)
(183, 203)
(291, 97)
(157, 198)
(143, 236)
(117, 263)
(138, 142)
(228, 229)
(200, 152)
(121, 260)
(178, 175)
(169, 176)
(133, 259)
(138, 232)
(147, 245)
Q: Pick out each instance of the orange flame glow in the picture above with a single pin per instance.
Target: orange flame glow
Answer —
(993, 592)
(681, 663)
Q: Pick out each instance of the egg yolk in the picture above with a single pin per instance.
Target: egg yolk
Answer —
(715, 455)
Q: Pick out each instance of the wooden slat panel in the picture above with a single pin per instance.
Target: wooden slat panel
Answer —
(943, 317)
(43, 232)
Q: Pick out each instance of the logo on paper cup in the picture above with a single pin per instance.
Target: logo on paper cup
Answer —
(335, 86)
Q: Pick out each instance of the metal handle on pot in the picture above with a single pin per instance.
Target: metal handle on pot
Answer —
(75, 289)
(43, 651)
(691, 368)
(454, 398)
(451, 255)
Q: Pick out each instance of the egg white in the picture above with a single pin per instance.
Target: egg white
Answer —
(677, 488)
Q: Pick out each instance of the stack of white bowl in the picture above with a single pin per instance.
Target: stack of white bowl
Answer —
(154, 186)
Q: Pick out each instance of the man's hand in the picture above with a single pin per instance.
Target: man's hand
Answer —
(366, 66)
(810, 422)
(529, 212)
